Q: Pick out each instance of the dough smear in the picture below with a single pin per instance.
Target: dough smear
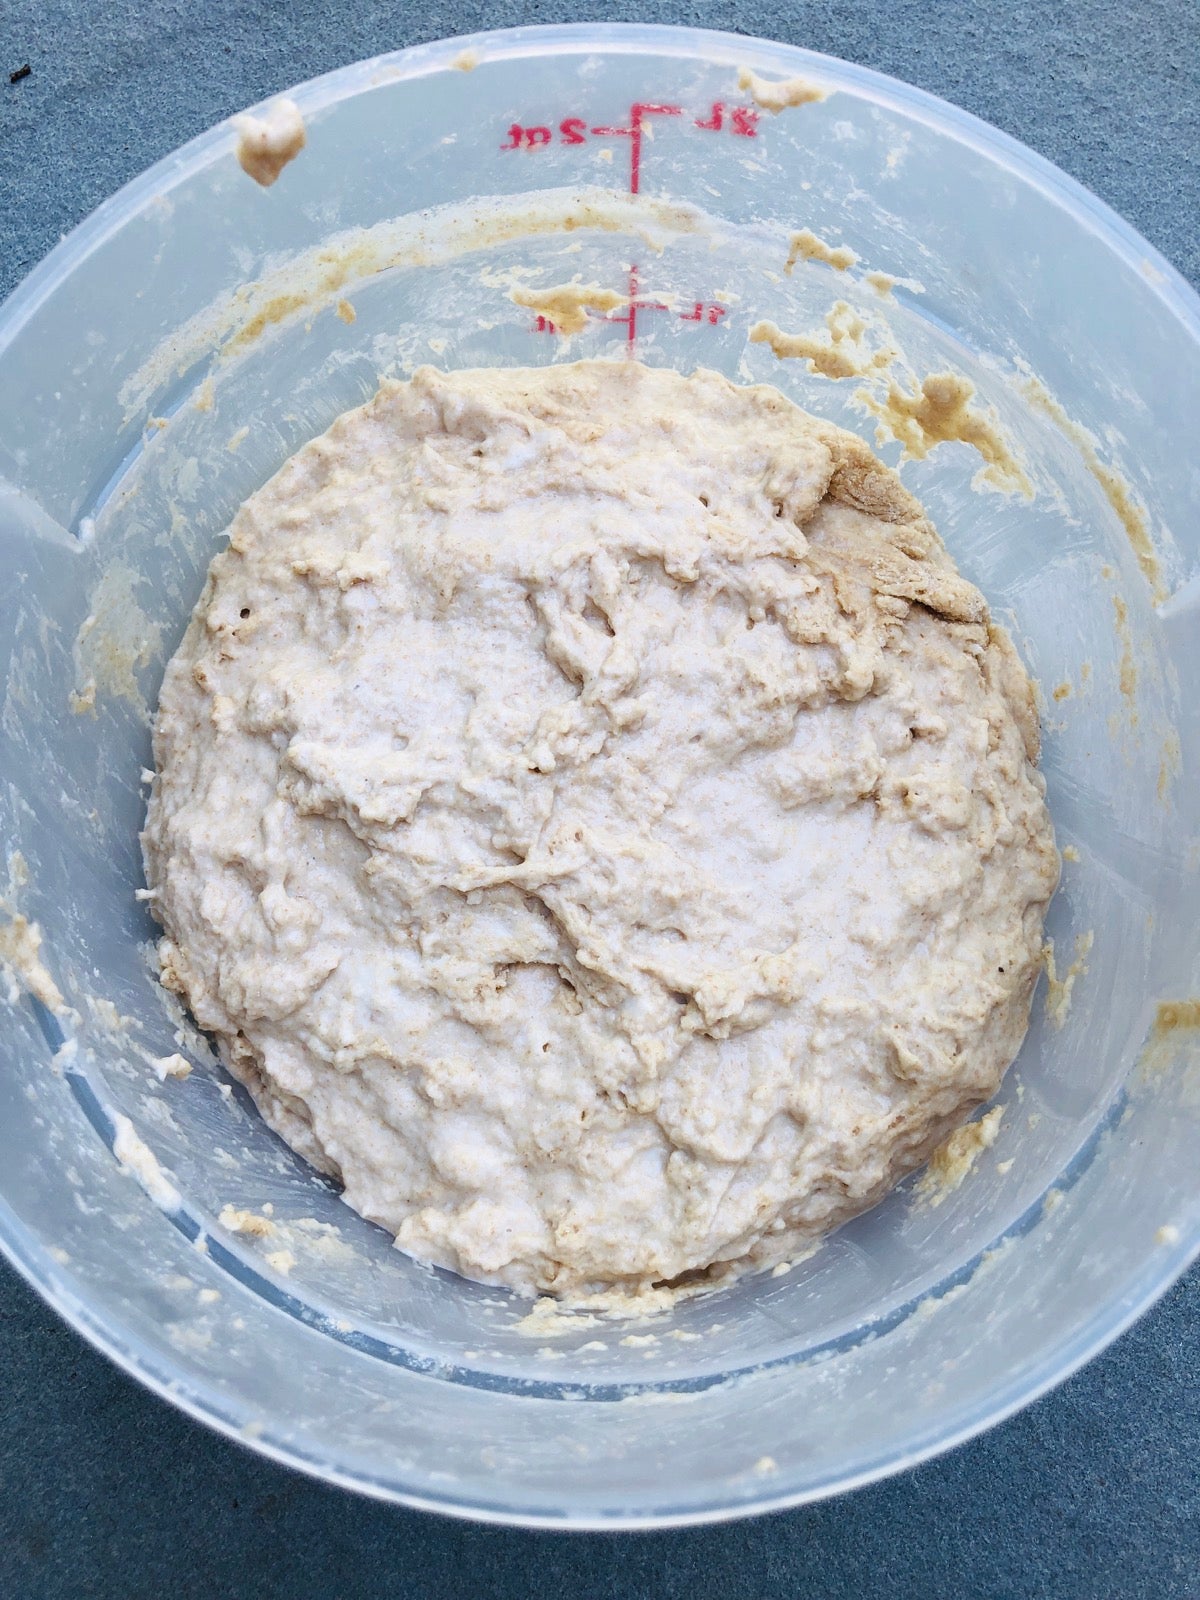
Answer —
(598, 822)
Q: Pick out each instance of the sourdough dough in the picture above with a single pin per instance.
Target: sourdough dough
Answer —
(598, 822)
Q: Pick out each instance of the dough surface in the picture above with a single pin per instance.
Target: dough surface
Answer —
(598, 822)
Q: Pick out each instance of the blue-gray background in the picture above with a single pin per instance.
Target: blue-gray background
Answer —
(1090, 1494)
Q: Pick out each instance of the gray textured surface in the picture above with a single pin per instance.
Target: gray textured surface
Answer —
(1092, 1493)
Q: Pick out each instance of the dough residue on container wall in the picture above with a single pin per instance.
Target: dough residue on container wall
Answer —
(20, 953)
(1117, 491)
(550, 1319)
(319, 1239)
(1170, 765)
(938, 411)
(106, 1015)
(1173, 1040)
(1175, 1016)
(266, 144)
(238, 1220)
(137, 1158)
(842, 353)
(1127, 675)
(567, 304)
(114, 642)
(21, 945)
(172, 1066)
(954, 1158)
(583, 791)
(779, 94)
(805, 246)
(315, 278)
(1059, 991)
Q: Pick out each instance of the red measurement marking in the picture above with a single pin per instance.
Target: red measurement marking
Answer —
(703, 311)
(637, 127)
(742, 120)
(520, 138)
(630, 315)
(574, 130)
(739, 120)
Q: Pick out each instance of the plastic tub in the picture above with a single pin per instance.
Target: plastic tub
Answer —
(165, 360)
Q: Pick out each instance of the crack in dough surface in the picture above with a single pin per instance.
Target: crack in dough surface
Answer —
(598, 822)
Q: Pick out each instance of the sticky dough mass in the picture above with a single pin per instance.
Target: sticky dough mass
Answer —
(598, 822)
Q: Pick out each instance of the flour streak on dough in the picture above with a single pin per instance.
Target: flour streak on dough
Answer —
(598, 823)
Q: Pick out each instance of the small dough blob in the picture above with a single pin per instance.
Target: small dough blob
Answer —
(266, 144)
(598, 822)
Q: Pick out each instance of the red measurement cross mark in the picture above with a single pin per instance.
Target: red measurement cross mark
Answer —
(635, 304)
(637, 127)
(574, 131)
(739, 120)
(702, 311)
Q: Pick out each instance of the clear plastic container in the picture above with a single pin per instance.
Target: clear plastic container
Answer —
(193, 307)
